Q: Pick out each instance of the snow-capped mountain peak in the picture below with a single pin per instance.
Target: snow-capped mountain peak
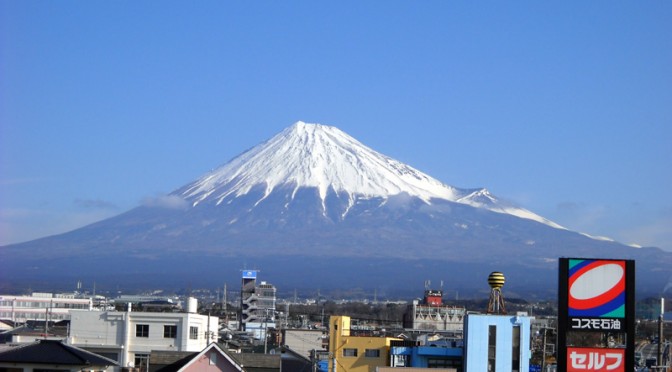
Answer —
(318, 156)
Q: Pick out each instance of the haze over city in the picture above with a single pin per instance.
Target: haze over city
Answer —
(561, 108)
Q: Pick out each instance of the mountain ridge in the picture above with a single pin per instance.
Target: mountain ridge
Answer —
(310, 227)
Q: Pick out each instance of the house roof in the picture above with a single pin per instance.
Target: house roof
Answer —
(293, 361)
(258, 361)
(220, 351)
(169, 361)
(35, 329)
(180, 361)
(53, 352)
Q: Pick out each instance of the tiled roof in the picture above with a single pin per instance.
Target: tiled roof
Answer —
(53, 352)
(169, 361)
(251, 360)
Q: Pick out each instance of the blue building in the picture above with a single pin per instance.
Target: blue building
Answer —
(443, 353)
(497, 343)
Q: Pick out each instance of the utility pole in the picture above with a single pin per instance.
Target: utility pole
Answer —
(660, 335)
(266, 332)
(543, 351)
(46, 322)
(207, 333)
(46, 319)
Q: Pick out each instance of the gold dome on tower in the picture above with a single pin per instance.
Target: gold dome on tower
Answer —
(496, 280)
(496, 303)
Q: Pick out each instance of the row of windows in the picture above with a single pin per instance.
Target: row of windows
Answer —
(169, 331)
(368, 353)
(42, 305)
(20, 316)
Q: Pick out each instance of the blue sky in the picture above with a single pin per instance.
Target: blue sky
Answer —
(564, 108)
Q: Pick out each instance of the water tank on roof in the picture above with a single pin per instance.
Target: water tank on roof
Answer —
(192, 305)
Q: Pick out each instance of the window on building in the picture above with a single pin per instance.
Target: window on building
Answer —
(193, 333)
(349, 352)
(515, 350)
(400, 361)
(443, 363)
(142, 330)
(492, 348)
(213, 358)
(169, 331)
(141, 361)
(372, 353)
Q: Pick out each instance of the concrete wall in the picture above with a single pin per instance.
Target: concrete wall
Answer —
(302, 341)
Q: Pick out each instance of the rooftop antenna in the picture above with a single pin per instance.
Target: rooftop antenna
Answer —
(496, 281)
(224, 299)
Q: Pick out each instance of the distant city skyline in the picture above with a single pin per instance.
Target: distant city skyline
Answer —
(563, 109)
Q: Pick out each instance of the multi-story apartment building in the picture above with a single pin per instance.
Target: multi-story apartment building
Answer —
(349, 353)
(41, 306)
(257, 305)
(129, 337)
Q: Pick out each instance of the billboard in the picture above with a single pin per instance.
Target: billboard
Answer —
(249, 274)
(596, 314)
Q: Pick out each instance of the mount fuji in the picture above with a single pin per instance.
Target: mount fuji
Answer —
(314, 208)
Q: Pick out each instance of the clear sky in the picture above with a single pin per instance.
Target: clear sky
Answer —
(562, 107)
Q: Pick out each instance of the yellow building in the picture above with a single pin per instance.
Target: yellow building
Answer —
(355, 353)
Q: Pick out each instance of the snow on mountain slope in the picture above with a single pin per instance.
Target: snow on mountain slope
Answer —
(326, 158)
(481, 198)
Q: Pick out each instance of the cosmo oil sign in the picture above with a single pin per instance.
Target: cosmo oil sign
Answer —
(596, 314)
(596, 289)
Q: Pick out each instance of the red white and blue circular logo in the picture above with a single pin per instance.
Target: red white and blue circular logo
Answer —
(596, 288)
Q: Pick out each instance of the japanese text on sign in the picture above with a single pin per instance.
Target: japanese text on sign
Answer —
(597, 324)
(580, 359)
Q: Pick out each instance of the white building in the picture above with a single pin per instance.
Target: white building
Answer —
(421, 316)
(129, 337)
(497, 343)
(41, 306)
